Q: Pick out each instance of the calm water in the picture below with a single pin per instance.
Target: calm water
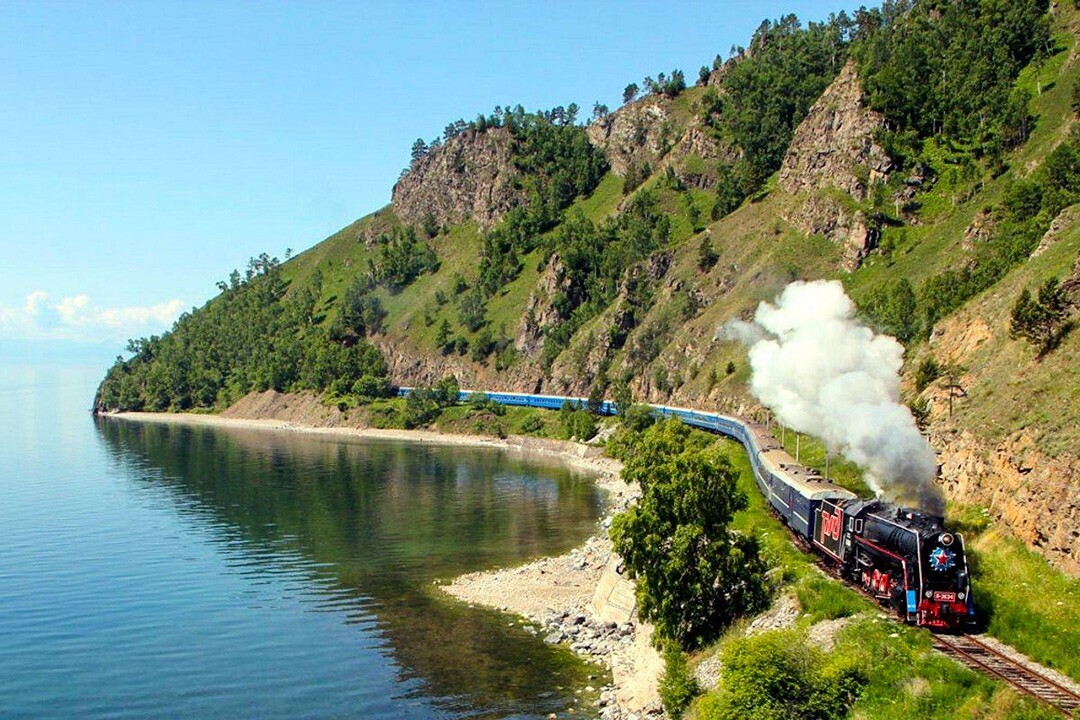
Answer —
(156, 571)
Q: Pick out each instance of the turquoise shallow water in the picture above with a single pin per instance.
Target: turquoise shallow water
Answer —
(161, 571)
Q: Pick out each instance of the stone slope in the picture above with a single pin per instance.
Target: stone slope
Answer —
(833, 150)
(471, 177)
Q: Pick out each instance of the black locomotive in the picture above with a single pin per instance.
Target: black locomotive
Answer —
(904, 558)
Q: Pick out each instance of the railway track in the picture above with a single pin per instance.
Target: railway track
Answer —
(977, 655)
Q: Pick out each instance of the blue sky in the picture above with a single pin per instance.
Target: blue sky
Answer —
(148, 148)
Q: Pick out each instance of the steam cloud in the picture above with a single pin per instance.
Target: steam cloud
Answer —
(822, 372)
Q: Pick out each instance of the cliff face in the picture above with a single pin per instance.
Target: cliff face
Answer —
(833, 150)
(988, 424)
(834, 144)
(640, 132)
(471, 177)
(655, 131)
(1037, 497)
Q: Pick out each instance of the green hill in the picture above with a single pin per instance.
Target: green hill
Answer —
(924, 154)
(920, 153)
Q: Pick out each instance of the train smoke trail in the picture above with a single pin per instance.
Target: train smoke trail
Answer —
(823, 372)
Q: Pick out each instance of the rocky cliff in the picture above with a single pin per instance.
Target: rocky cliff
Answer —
(1007, 468)
(471, 177)
(1036, 496)
(833, 150)
(656, 132)
(637, 133)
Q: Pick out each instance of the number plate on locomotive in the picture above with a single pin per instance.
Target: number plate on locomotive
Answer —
(940, 596)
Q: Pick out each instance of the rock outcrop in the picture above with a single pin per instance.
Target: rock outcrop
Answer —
(1066, 219)
(834, 144)
(471, 177)
(541, 311)
(1036, 496)
(833, 149)
(824, 215)
(646, 131)
(636, 133)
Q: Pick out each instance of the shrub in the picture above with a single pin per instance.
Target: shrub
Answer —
(1041, 320)
(532, 423)
(678, 686)
(707, 256)
(577, 422)
(775, 676)
(636, 174)
(369, 387)
(928, 372)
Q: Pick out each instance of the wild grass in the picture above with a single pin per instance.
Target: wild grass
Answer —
(1026, 602)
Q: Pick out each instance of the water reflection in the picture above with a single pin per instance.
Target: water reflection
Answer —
(362, 528)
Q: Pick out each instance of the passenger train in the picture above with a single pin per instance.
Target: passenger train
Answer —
(904, 558)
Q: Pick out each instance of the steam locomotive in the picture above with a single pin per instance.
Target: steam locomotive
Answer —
(904, 558)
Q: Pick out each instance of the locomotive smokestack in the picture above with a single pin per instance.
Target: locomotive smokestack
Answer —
(825, 373)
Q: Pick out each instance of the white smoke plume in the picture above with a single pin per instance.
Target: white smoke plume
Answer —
(823, 372)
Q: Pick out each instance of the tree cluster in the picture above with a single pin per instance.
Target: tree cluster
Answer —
(400, 257)
(949, 68)
(423, 404)
(1020, 220)
(769, 91)
(597, 261)
(512, 118)
(695, 575)
(253, 336)
(360, 314)
(1026, 211)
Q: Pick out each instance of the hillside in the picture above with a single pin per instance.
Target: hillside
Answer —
(530, 251)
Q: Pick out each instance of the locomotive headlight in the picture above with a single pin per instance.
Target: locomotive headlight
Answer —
(960, 596)
(929, 593)
(946, 539)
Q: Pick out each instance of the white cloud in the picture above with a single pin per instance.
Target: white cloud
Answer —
(77, 318)
(30, 307)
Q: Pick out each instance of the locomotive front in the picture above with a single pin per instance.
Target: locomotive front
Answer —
(946, 601)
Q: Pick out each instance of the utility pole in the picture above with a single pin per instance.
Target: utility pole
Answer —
(798, 444)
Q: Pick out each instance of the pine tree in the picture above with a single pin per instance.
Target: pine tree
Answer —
(1041, 320)
(706, 256)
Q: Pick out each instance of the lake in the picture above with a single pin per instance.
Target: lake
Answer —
(151, 570)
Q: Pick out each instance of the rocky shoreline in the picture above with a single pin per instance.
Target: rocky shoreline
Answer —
(556, 596)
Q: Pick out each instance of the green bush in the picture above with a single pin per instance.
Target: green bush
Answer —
(678, 686)
(775, 676)
(577, 422)
(532, 423)
(928, 372)
(424, 404)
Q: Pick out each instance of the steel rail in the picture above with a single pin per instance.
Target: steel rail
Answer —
(977, 655)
